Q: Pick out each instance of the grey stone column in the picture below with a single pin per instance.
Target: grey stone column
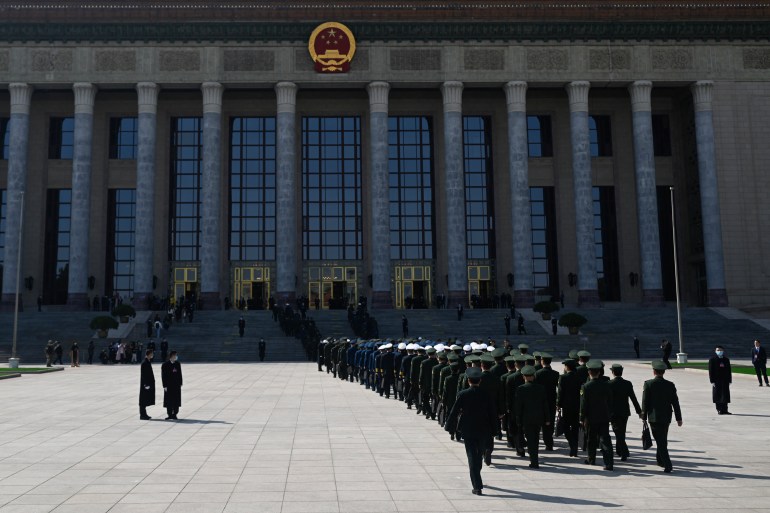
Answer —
(21, 95)
(588, 293)
(83, 138)
(285, 189)
(646, 193)
(709, 193)
(518, 172)
(454, 194)
(147, 93)
(379, 199)
(210, 248)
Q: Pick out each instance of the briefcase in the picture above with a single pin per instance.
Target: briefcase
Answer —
(559, 429)
(646, 436)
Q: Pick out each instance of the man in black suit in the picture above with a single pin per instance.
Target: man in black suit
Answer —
(171, 375)
(146, 386)
(478, 422)
(759, 359)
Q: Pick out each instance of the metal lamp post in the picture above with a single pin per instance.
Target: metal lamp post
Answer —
(13, 361)
(681, 356)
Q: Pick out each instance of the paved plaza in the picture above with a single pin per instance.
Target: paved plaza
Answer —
(282, 437)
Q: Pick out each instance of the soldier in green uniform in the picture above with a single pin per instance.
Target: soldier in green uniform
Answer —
(568, 402)
(531, 412)
(549, 379)
(490, 383)
(595, 414)
(443, 362)
(449, 394)
(622, 391)
(523, 348)
(512, 382)
(583, 358)
(426, 381)
(442, 412)
(658, 399)
(538, 360)
(508, 420)
(414, 380)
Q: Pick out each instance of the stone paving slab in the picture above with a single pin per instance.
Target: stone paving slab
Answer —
(285, 438)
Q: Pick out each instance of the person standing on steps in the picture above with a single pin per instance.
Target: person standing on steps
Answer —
(91, 352)
(262, 347)
(759, 360)
(636, 345)
(171, 375)
(241, 326)
(520, 325)
(163, 349)
(554, 326)
(405, 326)
(721, 376)
(146, 386)
(459, 312)
(507, 320)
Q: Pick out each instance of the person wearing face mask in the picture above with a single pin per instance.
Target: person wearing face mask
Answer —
(721, 376)
(171, 374)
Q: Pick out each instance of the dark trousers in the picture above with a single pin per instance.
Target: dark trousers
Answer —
(532, 434)
(721, 407)
(387, 384)
(761, 370)
(143, 411)
(636, 349)
(90, 357)
(619, 428)
(665, 360)
(406, 389)
(474, 449)
(599, 434)
(426, 407)
(413, 397)
(660, 434)
(571, 429)
(172, 412)
(548, 431)
(262, 358)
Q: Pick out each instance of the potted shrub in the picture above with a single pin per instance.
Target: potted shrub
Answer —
(546, 308)
(572, 321)
(102, 324)
(124, 312)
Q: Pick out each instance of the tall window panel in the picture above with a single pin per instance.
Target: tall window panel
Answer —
(121, 228)
(5, 137)
(252, 188)
(606, 239)
(410, 175)
(331, 188)
(61, 138)
(539, 138)
(600, 136)
(123, 138)
(57, 246)
(661, 135)
(479, 195)
(185, 200)
(3, 214)
(545, 262)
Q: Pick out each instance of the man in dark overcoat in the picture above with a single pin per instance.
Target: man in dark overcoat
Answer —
(720, 375)
(171, 375)
(146, 386)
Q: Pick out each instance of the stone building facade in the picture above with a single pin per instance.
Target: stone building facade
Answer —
(469, 152)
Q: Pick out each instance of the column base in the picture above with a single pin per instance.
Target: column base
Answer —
(78, 302)
(653, 297)
(7, 304)
(210, 301)
(281, 298)
(382, 300)
(457, 297)
(716, 297)
(589, 298)
(524, 298)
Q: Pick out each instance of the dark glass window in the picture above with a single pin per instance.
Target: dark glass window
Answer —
(661, 135)
(123, 138)
(57, 246)
(185, 201)
(666, 242)
(61, 138)
(3, 215)
(331, 188)
(410, 178)
(606, 240)
(252, 188)
(600, 134)
(545, 264)
(5, 137)
(121, 228)
(479, 209)
(539, 136)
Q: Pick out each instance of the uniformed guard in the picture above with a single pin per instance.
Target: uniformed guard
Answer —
(414, 379)
(406, 372)
(523, 348)
(595, 414)
(658, 399)
(146, 386)
(622, 391)
(531, 412)
(549, 379)
(449, 394)
(568, 402)
(490, 383)
(426, 382)
(538, 360)
(583, 358)
(443, 362)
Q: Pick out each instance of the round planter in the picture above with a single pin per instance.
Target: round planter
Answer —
(546, 316)
(574, 330)
(102, 333)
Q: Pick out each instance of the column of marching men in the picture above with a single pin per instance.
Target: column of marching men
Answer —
(479, 392)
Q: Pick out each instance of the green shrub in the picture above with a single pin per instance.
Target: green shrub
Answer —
(572, 320)
(546, 307)
(123, 310)
(103, 322)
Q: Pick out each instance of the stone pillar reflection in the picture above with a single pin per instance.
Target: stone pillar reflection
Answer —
(702, 92)
(21, 96)
(285, 189)
(518, 172)
(77, 289)
(646, 193)
(454, 194)
(379, 199)
(147, 93)
(588, 293)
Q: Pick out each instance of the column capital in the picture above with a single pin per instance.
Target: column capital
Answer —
(378, 96)
(85, 96)
(453, 96)
(212, 97)
(578, 95)
(702, 92)
(147, 95)
(286, 94)
(516, 96)
(21, 97)
(641, 96)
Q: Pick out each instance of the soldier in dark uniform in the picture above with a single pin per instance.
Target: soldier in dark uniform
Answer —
(512, 383)
(414, 380)
(476, 412)
(241, 326)
(443, 363)
(510, 364)
(146, 386)
(568, 402)
(426, 382)
(721, 376)
(523, 348)
(507, 320)
(549, 379)
(449, 392)
(538, 360)
(531, 412)
(405, 373)
(490, 383)
(622, 391)
(262, 347)
(171, 375)
(321, 350)
(595, 414)
(387, 367)
(583, 358)
(658, 399)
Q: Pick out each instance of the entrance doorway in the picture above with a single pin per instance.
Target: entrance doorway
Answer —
(480, 286)
(413, 286)
(251, 287)
(185, 285)
(332, 287)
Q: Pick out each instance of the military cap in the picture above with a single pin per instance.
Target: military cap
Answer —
(474, 358)
(468, 359)
(520, 358)
(529, 357)
(454, 365)
(595, 364)
(546, 356)
(498, 353)
(523, 346)
(570, 362)
(430, 350)
(573, 354)
(420, 348)
(509, 359)
(487, 358)
(401, 346)
(616, 366)
(455, 347)
(467, 348)
(537, 354)
(478, 352)
(452, 357)
(441, 355)
(473, 373)
(528, 370)
(514, 352)
(584, 354)
(659, 365)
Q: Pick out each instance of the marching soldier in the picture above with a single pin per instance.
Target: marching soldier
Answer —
(449, 393)
(531, 412)
(658, 399)
(512, 383)
(426, 382)
(568, 402)
(549, 379)
(622, 391)
(595, 414)
(414, 380)
(443, 363)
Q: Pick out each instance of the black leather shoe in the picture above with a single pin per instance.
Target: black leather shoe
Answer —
(623, 458)
(608, 467)
(589, 462)
(534, 465)
(144, 417)
(488, 459)
(726, 413)
(667, 470)
(476, 492)
(169, 418)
